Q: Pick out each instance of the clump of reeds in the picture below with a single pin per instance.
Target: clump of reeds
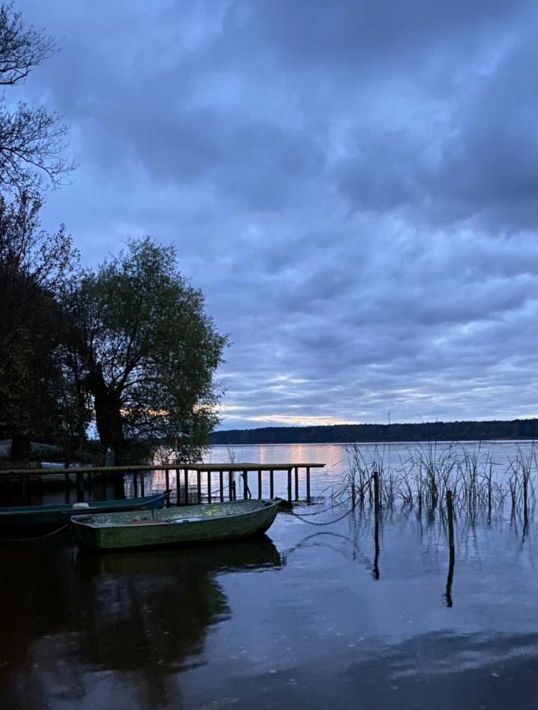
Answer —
(358, 478)
(421, 481)
(522, 488)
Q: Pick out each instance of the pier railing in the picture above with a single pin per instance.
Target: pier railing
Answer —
(188, 483)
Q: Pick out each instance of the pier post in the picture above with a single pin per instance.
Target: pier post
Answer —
(66, 495)
(186, 483)
(80, 492)
(289, 486)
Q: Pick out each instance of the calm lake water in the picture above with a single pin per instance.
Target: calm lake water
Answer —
(298, 618)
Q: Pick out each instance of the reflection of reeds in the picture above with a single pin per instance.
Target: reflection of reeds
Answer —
(422, 479)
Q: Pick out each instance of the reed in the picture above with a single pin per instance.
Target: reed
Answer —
(421, 480)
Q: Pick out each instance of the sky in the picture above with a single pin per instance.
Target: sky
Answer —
(353, 185)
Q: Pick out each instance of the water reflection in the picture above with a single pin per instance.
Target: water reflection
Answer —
(135, 618)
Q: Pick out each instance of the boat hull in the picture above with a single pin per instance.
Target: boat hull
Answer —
(182, 526)
(50, 516)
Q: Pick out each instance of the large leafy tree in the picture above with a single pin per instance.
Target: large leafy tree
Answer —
(33, 266)
(148, 351)
(31, 138)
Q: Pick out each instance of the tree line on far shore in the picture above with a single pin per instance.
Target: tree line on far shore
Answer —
(125, 350)
(348, 433)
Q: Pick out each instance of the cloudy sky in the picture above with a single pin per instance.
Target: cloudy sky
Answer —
(353, 185)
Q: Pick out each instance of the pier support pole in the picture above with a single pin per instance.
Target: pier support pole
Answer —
(289, 486)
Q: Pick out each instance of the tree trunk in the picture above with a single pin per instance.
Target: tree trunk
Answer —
(21, 447)
(107, 413)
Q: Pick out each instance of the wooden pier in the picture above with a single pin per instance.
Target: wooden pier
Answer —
(190, 483)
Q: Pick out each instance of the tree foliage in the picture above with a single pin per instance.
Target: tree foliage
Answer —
(148, 349)
(31, 139)
(33, 266)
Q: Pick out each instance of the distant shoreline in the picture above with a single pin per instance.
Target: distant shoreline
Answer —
(513, 430)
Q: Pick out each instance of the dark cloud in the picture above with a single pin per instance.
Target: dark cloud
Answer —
(353, 185)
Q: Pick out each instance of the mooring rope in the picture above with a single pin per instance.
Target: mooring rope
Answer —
(314, 522)
(34, 539)
(304, 517)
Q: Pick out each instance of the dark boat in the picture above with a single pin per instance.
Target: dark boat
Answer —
(29, 517)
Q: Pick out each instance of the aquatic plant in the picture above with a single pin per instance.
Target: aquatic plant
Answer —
(423, 477)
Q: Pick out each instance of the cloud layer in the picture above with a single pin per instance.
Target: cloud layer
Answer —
(353, 185)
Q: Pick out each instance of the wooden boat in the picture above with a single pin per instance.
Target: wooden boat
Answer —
(185, 525)
(57, 514)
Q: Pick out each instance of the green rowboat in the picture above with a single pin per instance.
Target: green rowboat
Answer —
(185, 525)
(57, 514)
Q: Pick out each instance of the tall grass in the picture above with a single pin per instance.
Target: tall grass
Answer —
(420, 479)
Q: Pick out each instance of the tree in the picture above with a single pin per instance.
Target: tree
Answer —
(31, 139)
(33, 266)
(148, 349)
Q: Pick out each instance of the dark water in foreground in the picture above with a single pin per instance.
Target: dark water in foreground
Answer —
(294, 619)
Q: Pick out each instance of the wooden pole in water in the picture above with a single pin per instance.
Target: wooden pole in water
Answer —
(377, 523)
(451, 547)
(525, 503)
(450, 516)
(377, 495)
(308, 484)
(66, 474)
(80, 492)
(186, 480)
(289, 486)
(296, 476)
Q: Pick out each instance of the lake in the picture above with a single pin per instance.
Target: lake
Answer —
(305, 616)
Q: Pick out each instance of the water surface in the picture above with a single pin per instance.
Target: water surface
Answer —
(300, 617)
